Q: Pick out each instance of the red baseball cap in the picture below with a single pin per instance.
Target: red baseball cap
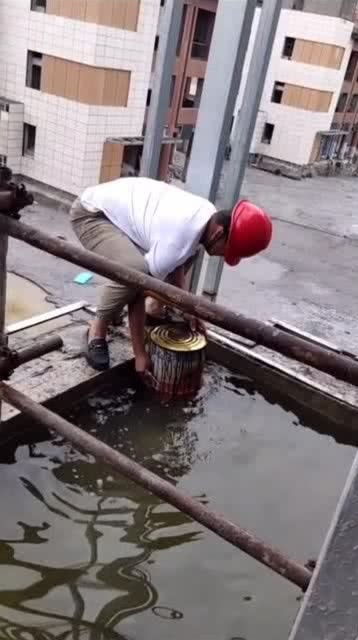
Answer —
(250, 232)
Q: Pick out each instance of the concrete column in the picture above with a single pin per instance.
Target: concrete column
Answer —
(223, 76)
(245, 125)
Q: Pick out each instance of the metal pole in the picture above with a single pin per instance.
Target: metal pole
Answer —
(230, 532)
(17, 358)
(165, 61)
(338, 365)
(3, 280)
(222, 81)
(329, 609)
(245, 126)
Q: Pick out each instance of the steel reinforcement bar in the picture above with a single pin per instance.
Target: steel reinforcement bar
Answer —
(338, 365)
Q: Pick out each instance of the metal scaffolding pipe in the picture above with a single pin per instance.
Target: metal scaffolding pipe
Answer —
(3, 281)
(17, 358)
(230, 532)
(340, 366)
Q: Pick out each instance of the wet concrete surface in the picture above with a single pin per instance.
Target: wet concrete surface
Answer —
(84, 553)
(308, 276)
(24, 299)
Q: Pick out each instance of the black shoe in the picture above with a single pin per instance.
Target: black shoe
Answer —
(97, 354)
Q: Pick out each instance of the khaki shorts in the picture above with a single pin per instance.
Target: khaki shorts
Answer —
(96, 233)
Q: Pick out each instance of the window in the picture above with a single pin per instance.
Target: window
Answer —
(353, 103)
(288, 48)
(192, 93)
(34, 70)
(29, 140)
(149, 97)
(38, 5)
(277, 93)
(352, 64)
(162, 3)
(3, 161)
(267, 133)
(341, 104)
(204, 28)
(156, 43)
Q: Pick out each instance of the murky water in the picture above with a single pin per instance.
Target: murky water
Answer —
(85, 554)
(24, 299)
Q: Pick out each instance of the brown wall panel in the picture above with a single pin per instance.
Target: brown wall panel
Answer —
(122, 88)
(315, 148)
(305, 98)
(72, 81)
(112, 160)
(92, 11)
(48, 74)
(79, 10)
(132, 13)
(53, 7)
(318, 53)
(82, 83)
(121, 14)
(110, 87)
(60, 77)
(324, 101)
(336, 57)
(66, 8)
(85, 85)
(105, 16)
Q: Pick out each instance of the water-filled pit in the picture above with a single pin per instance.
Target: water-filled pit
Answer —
(85, 553)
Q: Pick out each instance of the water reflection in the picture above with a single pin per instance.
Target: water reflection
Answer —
(77, 545)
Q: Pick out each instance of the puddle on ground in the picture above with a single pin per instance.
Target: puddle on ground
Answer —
(84, 553)
(24, 299)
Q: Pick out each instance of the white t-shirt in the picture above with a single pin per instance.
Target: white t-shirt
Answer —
(164, 221)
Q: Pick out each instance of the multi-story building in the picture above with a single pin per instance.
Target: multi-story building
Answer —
(346, 115)
(193, 49)
(309, 59)
(73, 74)
(75, 81)
(308, 63)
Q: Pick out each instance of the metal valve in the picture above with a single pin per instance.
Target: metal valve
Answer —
(13, 197)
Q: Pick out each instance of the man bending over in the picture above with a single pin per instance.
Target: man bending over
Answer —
(156, 228)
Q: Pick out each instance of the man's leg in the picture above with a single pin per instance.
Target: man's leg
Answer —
(98, 234)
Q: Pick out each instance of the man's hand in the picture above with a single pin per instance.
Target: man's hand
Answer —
(143, 363)
(143, 367)
(194, 323)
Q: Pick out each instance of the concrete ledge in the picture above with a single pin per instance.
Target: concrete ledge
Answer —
(61, 377)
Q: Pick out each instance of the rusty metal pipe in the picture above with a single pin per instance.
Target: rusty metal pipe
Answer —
(17, 358)
(337, 365)
(230, 532)
(40, 348)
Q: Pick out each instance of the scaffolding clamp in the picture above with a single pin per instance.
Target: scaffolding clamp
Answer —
(9, 360)
(13, 197)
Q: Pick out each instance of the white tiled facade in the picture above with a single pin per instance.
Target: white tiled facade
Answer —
(70, 135)
(296, 129)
